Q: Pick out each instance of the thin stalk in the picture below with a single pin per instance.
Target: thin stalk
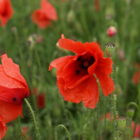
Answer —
(60, 125)
(33, 115)
(19, 128)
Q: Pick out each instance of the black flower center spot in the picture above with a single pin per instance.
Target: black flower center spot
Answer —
(83, 63)
(14, 99)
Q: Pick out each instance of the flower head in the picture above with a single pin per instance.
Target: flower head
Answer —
(137, 130)
(76, 74)
(13, 89)
(42, 17)
(3, 127)
(41, 101)
(6, 11)
(111, 31)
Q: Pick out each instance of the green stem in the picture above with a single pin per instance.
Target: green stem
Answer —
(33, 115)
(65, 130)
(19, 128)
(87, 121)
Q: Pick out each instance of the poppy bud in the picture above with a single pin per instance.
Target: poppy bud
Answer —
(136, 138)
(121, 123)
(71, 16)
(117, 90)
(110, 49)
(111, 31)
(130, 112)
(30, 42)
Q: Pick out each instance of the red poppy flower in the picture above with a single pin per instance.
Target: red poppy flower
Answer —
(3, 127)
(13, 89)
(137, 130)
(42, 17)
(41, 101)
(108, 116)
(76, 74)
(136, 77)
(96, 4)
(6, 11)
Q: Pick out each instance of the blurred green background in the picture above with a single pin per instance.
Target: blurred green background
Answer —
(79, 20)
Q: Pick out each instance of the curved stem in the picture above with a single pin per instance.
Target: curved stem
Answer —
(61, 125)
(33, 115)
(18, 122)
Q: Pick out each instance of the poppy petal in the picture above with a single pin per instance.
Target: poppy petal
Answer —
(39, 18)
(12, 70)
(106, 82)
(3, 127)
(49, 10)
(86, 91)
(68, 44)
(10, 111)
(59, 63)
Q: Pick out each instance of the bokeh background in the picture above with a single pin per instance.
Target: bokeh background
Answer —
(79, 20)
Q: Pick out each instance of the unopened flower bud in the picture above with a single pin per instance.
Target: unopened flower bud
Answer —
(111, 31)
(71, 16)
(121, 123)
(130, 112)
(110, 49)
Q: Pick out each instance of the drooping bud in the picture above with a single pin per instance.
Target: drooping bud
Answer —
(110, 49)
(111, 31)
(121, 123)
(130, 112)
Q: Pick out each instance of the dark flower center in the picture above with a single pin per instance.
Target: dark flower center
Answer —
(84, 63)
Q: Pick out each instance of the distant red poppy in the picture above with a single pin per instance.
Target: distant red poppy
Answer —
(3, 127)
(41, 101)
(42, 17)
(6, 11)
(136, 77)
(96, 5)
(13, 89)
(137, 130)
(75, 74)
(108, 116)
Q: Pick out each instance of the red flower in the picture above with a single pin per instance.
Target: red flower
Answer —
(76, 74)
(42, 17)
(136, 77)
(137, 130)
(6, 11)
(41, 101)
(96, 4)
(108, 116)
(13, 89)
(3, 127)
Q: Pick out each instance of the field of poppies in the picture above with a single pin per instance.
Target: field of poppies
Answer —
(69, 70)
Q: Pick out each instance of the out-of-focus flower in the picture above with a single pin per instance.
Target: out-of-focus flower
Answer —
(111, 31)
(41, 101)
(3, 127)
(42, 17)
(108, 116)
(39, 39)
(24, 130)
(121, 54)
(96, 5)
(136, 77)
(6, 11)
(137, 130)
(13, 90)
(75, 74)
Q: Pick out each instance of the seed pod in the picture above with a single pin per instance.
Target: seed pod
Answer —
(121, 123)
(130, 112)
(110, 49)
